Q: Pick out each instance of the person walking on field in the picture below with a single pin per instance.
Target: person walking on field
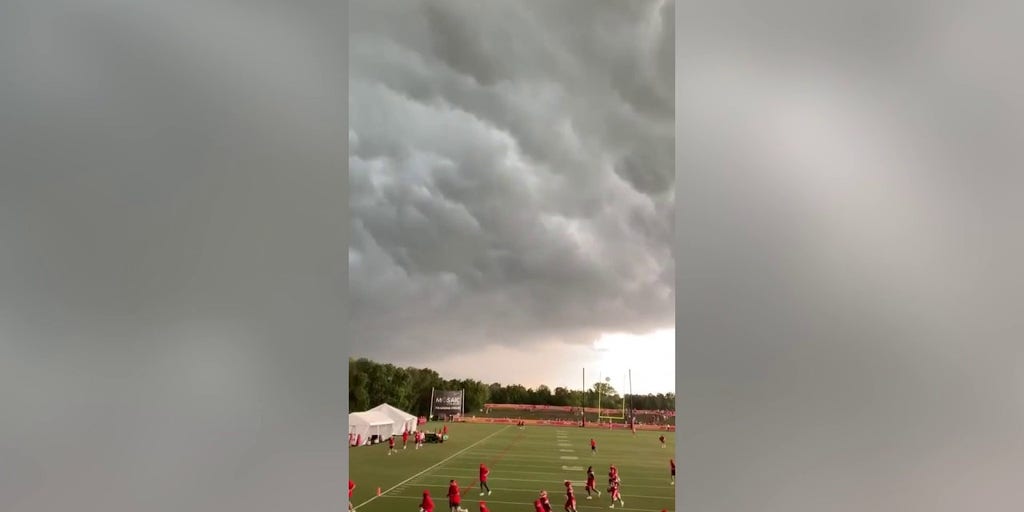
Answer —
(405, 438)
(672, 463)
(454, 500)
(545, 503)
(391, 445)
(537, 506)
(662, 439)
(351, 487)
(427, 505)
(614, 489)
(570, 497)
(593, 446)
(484, 471)
(591, 483)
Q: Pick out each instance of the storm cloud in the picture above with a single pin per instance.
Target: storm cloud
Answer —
(511, 170)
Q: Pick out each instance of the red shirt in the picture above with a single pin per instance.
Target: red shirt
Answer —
(427, 503)
(537, 507)
(391, 442)
(453, 493)
(351, 485)
(483, 507)
(405, 435)
(673, 463)
(593, 443)
(483, 473)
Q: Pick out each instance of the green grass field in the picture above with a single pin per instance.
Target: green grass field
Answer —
(522, 463)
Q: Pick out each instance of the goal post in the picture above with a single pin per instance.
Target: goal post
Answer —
(603, 413)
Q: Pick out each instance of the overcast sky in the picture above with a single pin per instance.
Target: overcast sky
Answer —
(512, 188)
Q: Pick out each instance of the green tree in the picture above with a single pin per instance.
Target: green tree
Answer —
(358, 397)
(604, 389)
(543, 395)
(562, 397)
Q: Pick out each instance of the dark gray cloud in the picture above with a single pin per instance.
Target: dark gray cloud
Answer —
(512, 173)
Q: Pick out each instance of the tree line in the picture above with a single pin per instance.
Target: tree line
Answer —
(372, 383)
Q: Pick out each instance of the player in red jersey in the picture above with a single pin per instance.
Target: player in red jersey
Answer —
(570, 497)
(391, 445)
(483, 479)
(592, 483)
(662, 439)
(483, 507)
(613, 476)
(537, 506)
(614, 489)
(427, 505)
(454, 499)
(544, 502)
(405, 438)
(593, 446)
(351, 487)
(672, 462)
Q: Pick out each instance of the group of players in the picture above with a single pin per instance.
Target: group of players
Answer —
(542, 502)
(418, 439)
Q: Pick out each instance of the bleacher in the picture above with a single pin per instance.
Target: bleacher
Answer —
(510, 411)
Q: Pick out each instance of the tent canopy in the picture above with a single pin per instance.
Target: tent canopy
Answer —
(403, 420)
(370, 423)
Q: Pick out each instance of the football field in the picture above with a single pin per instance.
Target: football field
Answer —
(522, 463)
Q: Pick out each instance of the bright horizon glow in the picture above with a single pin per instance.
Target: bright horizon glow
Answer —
(651, 357)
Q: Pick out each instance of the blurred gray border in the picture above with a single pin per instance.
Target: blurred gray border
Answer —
(848, 243)
(160, 350)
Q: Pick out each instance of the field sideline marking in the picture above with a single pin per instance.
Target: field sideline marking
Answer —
(452, 456)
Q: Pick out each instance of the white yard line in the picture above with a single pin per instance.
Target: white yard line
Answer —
(452, 456)
(630, 485)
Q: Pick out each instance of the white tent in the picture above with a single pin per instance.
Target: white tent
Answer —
(366, 424)
(403, 420)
